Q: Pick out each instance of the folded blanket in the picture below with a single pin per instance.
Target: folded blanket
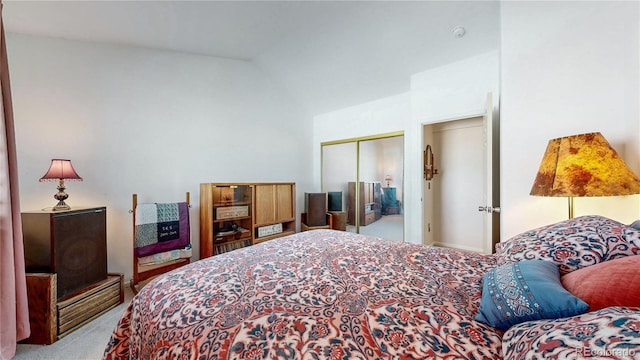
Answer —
(161, 227)
(165, 256)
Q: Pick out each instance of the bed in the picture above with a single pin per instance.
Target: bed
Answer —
(329, 294)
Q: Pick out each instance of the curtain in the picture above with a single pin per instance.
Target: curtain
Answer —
(14, 313)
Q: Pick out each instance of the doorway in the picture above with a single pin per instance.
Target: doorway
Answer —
(461, 182)
(367, 174)
(456, 186)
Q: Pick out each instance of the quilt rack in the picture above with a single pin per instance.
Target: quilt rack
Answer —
(166, 260)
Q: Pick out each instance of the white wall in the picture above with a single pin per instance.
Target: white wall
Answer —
(566, 68)
(151, 122)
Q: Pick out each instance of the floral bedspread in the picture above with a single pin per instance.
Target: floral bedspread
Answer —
(610, 333)
(314, 295)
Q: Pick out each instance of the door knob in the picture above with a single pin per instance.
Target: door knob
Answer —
(489, 209)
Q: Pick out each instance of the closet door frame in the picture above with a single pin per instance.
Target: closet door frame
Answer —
(357, 180)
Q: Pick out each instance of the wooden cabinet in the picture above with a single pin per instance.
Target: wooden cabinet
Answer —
(51, 318)
(66, 262)
(233, 216)
(275, 207)
(226, 217)
(70, 243)
(369, 206)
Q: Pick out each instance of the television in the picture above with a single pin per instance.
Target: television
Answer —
(335, 200)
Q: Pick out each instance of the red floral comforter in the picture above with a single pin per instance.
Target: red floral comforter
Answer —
(314, 295)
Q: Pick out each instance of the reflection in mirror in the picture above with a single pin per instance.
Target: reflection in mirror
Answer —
(339, 164)
(381, 185)
(372, 205)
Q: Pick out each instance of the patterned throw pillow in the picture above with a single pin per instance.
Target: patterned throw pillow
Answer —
(524, 291)
(572, 244)
(610, 333)
(632, 234)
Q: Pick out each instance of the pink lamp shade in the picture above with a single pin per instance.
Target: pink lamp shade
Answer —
(61, 169)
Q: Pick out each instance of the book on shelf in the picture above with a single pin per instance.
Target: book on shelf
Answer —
(223, 248)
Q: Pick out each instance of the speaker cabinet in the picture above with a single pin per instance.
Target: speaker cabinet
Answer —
(315, 205)
(72, 244)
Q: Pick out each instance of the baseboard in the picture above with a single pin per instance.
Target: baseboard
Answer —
(458, 247)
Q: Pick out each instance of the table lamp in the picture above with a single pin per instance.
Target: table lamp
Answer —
(61, 169)
(583, 165)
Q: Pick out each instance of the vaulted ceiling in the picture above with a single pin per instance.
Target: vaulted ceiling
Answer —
(328, 55)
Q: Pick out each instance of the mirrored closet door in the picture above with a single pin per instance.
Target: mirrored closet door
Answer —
(364, 181)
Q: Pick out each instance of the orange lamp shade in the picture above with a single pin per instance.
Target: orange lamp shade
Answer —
(583, 165)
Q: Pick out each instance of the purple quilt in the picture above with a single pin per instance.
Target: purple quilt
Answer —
(161, 227)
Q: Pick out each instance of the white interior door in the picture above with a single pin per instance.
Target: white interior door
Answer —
(491, 204)
(491, 174)
(466, 166)
(458, 186)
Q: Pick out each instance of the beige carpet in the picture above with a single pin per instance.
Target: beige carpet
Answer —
(86, 343)
(389, 227)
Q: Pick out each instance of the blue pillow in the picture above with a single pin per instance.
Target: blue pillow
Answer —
(524, 291)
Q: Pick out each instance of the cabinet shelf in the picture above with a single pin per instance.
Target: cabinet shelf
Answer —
(238, 218)
(274, 236)
(231, 203)
(236, 236)
(245, 205)
(229, 241)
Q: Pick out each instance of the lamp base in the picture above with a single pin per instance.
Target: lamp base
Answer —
(61, 196)
(570, 207)
(61, 205)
